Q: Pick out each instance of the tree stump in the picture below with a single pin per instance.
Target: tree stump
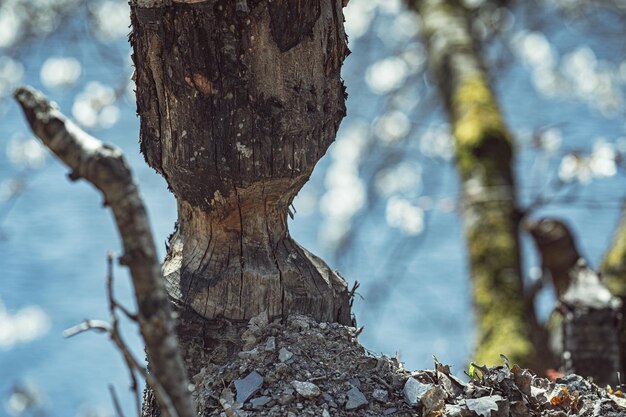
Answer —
(238, 101)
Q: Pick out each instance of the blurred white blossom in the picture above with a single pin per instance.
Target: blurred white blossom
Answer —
(601, 162)
(414, 55)
(392, 126)
(603, 159)
(534, 49)
(405, 26)
(26, 325)
(387, 6)
(28, 153)
(10, 26)
(386, 75)
(403, 215)
(402, 177)
(436, 142)
(60, 72)
(11, 72)
(95, 108)
(358, 16)
(112, 19)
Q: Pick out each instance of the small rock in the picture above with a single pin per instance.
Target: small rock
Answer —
(324, 326)
(329, 400)
(325, 413)
(249, 354)
(355, 382)
(299, 322)
(284, 355)
(248, 386)
(433, 400)
(261, 320)
(414, 391)
(227, 401)
(286, 399)
(381, 395)
(249, 339)
(291, 414)
(270, 345)
(356, 399)
(389, 411)
(259, 402)
(307, 389)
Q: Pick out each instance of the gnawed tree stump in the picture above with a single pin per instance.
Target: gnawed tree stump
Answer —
(591, 324)
(585, 326)
(238, 101)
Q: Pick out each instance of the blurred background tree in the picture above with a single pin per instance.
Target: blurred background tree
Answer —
(382, 207)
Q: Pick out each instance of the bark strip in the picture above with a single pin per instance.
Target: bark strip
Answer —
(483, 155)
(105, 167)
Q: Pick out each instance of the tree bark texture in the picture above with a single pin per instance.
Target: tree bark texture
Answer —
(238, 100)
(586, 322)
(483, 155)
(591, 322)
(105, 167)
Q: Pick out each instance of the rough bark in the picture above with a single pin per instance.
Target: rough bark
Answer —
(591, 322)
(557, 247)
(586, 322)
(238, 101)
(105, 167)
(484, 153)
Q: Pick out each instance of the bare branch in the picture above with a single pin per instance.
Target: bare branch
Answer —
(116, 402)
(106, 168)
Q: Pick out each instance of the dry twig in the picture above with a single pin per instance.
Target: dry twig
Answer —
(105, 167)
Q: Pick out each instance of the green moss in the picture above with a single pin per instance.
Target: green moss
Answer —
(614, 264)
(477, 119)
(483, 148)
(497, 286)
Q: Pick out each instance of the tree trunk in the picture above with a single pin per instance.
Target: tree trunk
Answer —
(591, 322)
(483, 155)
(585, 324)
(238, 100)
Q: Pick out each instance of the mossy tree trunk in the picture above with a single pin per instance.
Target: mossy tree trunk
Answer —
(484, 154)
(238, 100)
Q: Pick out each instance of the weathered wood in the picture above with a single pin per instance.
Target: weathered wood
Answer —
(591, 324)
(557, 247)
(484, 155)
(238, 101)
(585, 325)
(105, 167)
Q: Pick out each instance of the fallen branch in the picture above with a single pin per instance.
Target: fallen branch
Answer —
(105, 167)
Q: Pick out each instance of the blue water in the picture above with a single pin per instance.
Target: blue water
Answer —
(415, 289)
